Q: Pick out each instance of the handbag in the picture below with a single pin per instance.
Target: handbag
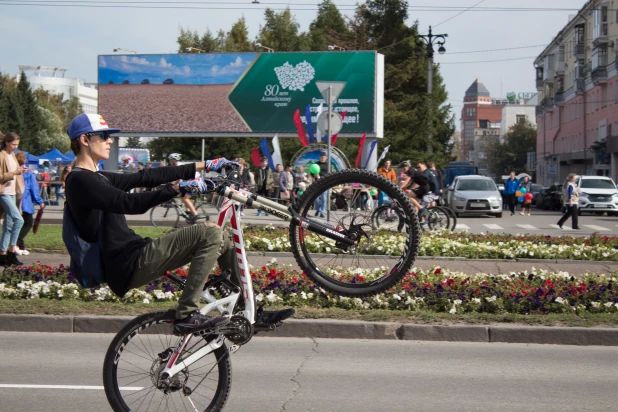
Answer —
(284, 195)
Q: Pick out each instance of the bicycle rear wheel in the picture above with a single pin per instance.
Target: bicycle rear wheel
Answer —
(386, 218)
(379, 259)
(165, 214)
(452, 217)
(138, 353)
(437, 218)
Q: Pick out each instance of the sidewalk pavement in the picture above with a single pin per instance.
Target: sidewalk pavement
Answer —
(341, 329)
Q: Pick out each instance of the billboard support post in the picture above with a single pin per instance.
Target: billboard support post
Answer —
(330, 136)
(203, 144)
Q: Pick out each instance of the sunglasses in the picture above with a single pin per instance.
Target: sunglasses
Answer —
(104, 135)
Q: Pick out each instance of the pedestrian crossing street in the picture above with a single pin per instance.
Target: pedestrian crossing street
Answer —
(526, 227)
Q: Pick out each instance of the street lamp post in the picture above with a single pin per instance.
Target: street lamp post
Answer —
(117, 49)
(430, 39)
(190, 49)
(261, 46)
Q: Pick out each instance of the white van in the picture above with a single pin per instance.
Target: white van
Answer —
(597, 194)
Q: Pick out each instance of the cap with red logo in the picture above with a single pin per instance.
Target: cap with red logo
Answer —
(88, 123)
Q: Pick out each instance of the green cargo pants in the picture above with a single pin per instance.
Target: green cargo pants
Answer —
(202, 245)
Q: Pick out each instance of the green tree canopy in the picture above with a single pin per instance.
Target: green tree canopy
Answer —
(512, 154)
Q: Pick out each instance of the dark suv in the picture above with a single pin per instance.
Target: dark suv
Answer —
(168, 81)
(550, 197)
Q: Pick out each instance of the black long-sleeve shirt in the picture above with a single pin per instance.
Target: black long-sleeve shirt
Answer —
(88, 193)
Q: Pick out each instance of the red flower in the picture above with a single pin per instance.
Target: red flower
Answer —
(294, 279)
(273, 272)
(438, 271)
(303, 275)
(264, 268)
(549, 283)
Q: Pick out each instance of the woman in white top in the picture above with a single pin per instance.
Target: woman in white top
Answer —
(570, 196)
(11, 188)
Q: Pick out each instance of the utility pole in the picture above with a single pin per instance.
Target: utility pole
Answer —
(430, 39)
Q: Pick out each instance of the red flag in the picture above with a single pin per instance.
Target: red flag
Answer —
(256, 157)
(301, 129)
(335, 135)
(360, 150)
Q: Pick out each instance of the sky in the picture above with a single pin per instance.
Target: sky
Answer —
(182, 68)
(73, 37)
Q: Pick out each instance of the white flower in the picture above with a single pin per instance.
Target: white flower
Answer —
(477, 300)
(303, 295)
(146, 301)
(272, 297)
(608, 304)
(273, 260)
(595, 304)
(491, 299)
(453, 310)
(560, 300)
(259, 297)
(457, 301)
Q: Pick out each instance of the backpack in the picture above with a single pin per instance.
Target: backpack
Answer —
(86, 262)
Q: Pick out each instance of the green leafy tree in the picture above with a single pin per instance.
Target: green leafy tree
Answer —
(133, 142)
(280, 31)
(328, 26)
(513, 153)
(53, 135)
(11, 114)
(33, 122)
(237, 39)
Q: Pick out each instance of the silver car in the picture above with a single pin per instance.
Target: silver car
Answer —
(474, 195)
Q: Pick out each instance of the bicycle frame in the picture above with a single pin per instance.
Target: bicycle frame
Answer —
(230, 212)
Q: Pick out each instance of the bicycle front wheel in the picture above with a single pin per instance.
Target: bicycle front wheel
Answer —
(165, 214)
(379, 259)
(140, 351)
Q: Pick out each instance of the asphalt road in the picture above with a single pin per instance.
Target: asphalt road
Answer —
(289, 374)
(540, 222)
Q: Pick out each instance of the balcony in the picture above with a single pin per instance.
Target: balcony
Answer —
(603, 37)
(540, 111)
(549, 104)
(599, 75)
(580, 86)
(579, 50)
(559, 98)
(539, 84)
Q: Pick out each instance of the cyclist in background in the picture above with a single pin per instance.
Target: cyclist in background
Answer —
(174, 158)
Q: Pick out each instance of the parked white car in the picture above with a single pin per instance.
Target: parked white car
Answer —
(597, 194)
(474, 195)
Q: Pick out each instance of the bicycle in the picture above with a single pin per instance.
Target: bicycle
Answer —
(434, 218)
(146, 365)
(170, 212)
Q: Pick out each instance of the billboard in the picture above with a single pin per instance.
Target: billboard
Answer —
(237, 94)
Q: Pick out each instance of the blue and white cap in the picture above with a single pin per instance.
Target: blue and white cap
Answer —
(88, 123)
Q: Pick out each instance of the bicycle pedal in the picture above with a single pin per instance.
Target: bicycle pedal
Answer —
(233, 348)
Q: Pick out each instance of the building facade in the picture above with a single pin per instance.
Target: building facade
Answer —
(577, 82)
(52, 79)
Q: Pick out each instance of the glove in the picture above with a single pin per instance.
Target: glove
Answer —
(193, 187)
(215, 165)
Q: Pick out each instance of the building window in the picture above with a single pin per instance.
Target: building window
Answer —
(520, 118)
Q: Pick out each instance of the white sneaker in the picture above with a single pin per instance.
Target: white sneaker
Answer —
(17, 251)
(24, 252)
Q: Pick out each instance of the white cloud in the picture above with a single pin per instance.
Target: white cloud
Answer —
(165, 64)
(237, 63)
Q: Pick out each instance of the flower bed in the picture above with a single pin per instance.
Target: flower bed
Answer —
(533, 292)
(477, 246)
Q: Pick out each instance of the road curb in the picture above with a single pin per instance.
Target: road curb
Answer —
(345, 329)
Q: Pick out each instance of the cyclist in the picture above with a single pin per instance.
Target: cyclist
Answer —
(433, 181)
(174, 158)
(416, 185)
(98, 201)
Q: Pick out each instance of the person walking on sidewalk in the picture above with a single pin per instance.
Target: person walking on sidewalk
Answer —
(570, 197)
(11, 190)
(263, 180)
(527, 203)
(510, 188)
(98, 201)
(30, 196)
